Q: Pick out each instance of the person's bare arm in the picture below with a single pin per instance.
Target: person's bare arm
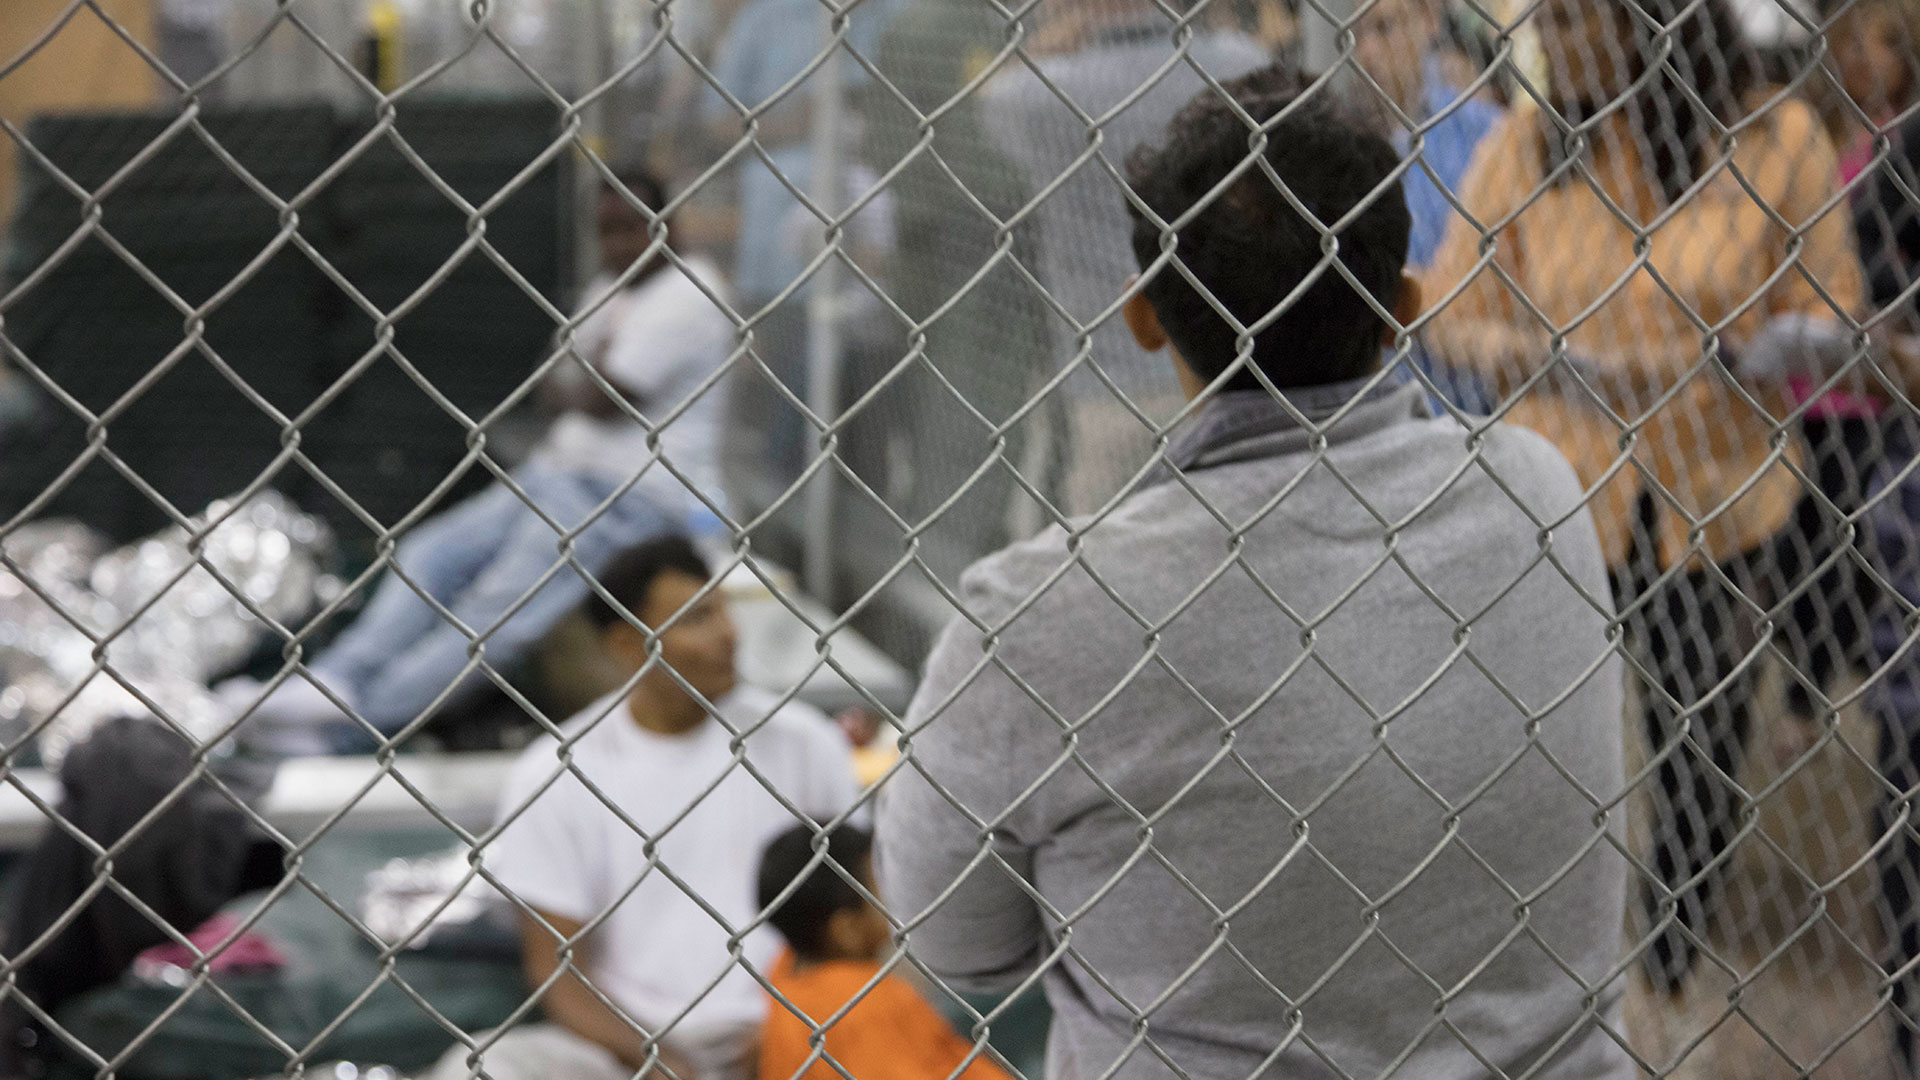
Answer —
(572, 1005)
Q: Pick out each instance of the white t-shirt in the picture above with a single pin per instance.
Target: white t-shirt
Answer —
(660, 339)
(571, 855)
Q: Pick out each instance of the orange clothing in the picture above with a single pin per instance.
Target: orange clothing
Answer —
(1720, 450)
(891, 1034)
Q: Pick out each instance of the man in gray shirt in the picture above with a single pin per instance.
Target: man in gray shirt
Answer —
(1305, 761)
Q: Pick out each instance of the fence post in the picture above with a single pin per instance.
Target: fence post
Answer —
(823, 322)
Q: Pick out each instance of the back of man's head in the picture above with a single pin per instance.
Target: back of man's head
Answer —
(1251, 248)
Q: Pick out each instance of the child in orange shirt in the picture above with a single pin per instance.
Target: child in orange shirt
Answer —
(835, 938)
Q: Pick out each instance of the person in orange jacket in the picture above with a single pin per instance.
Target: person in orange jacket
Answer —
(835, 936)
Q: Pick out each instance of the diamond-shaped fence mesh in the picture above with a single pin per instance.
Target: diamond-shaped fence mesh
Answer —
(457, 455)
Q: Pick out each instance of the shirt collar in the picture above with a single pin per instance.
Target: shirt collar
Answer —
(1238, 425)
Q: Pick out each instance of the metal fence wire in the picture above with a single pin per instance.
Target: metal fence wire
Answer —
(363, 715)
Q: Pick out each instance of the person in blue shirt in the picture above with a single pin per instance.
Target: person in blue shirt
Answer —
(768, 45)
(1416, 56)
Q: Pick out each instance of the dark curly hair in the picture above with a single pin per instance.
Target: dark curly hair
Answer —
(1250, 248)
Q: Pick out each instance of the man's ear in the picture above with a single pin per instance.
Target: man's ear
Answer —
(1407, 306)
(1143, 321)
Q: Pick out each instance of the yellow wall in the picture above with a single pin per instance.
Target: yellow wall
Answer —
(83, 66)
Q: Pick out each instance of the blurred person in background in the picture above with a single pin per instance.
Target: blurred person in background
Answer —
(1874, 50)
(1322, 902)
(1697, 509)
(650, 332)
(1093, 55)
(1408, 48)
(1405, 47)
(1272, 23)
(644, 822)
(1845, 421)
(1868, 473)
(1889, 228)
(768, 44)
(949, 197)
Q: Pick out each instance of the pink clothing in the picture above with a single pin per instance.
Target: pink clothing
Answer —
(249, 951)
(1854, 161)
(1834, 404)
(1857, 156)
(1842, 404)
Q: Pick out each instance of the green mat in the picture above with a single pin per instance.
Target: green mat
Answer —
(330, 966)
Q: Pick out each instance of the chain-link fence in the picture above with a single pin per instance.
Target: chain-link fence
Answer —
(456, 456)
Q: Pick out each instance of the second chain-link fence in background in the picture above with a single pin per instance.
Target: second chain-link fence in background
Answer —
(357, 356)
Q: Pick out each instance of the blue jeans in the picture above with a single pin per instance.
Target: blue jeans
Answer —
(478, 559)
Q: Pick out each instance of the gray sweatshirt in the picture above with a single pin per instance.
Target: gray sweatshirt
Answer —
(1340, 808)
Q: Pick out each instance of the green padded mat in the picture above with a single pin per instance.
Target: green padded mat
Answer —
(329, 967)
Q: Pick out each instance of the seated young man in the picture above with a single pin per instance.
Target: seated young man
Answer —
(641, 823)
(834, 941)
(657, 340)
(1301, 761)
